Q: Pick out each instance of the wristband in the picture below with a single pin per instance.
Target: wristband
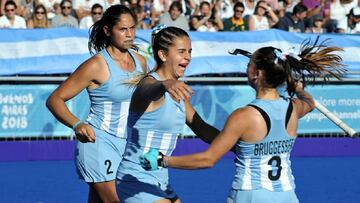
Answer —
(76, 124)
(162, 162)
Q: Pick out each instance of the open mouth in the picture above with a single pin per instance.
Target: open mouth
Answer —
(183, 65)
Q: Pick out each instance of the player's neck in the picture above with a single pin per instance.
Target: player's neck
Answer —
(165, 75)
(267, 93)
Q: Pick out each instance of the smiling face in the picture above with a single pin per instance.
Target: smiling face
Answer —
(205, 9)
(40, 13)
(238, 12)
(174, 13)
(177, 57)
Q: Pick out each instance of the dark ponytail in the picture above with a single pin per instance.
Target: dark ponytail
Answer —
(316, 60)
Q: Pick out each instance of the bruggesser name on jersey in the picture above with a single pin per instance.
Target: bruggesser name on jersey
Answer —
(273, 147)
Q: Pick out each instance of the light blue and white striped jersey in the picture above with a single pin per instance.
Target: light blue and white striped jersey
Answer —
(110, 101)
(266, 164)
(157, 129)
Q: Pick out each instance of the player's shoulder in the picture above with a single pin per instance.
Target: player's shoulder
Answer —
(245, 114)
(96, 62)
(141, 60)
(246, 110)
(95, 65)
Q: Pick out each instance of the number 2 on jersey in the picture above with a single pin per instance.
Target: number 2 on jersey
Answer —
(108, 171)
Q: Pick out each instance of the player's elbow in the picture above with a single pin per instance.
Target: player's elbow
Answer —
(51, 100)
(208, 161)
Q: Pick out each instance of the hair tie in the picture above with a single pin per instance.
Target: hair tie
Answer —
(157, 29)
(291, 52)
(279, 55)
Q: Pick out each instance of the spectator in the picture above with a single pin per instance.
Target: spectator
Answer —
(314, 8)
(281, 10)
(293, 22)
(2, 5)
(317, 26)
(146, 4)
(290, 4)
(263, 17)
(26, 8)
(50, 6)
(274, 4)
(201, 15)
(249, 7)
(17, 10)
(340, 8)
(188, 7)
(209, 26)
(57, 10)
(350, 25)
(83, 7)
(39, 18)
(64, 19)
(96, 14)
(132, 3)
(158, 7)
(10, 19)
(107, 3)
(174, 17)
(140, 15)
(236, 22)
(338, 11)
(206, 20)
(317, 7)
(225, 8)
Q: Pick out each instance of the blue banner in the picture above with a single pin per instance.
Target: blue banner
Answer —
(62, 50)
(215, 103)
(24, 114)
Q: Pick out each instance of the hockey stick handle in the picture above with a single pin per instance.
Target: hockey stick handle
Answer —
(335, 119)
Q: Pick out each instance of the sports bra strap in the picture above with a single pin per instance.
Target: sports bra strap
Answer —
(288, 113)
(265, 116)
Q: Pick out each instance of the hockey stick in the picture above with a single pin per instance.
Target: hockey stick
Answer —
(332, 117)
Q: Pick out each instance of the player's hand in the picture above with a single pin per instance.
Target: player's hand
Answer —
(178, 90)
(149, 161)
(85, 133)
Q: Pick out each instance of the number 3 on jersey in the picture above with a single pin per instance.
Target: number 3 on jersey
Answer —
(275, 174)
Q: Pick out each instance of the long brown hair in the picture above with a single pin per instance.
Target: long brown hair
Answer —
(43, 23)
(315, 60)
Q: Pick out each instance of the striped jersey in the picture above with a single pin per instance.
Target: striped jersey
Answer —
(156, 129)
(266, 164)
(110, 101)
